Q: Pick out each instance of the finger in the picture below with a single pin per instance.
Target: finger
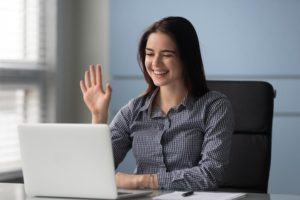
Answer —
(92, 75)
(82, 87)
(87, 80)
(99, 76)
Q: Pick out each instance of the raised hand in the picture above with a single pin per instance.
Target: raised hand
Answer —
(96, 99)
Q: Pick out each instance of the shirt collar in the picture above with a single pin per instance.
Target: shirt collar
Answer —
(187, 102)
(149, 100)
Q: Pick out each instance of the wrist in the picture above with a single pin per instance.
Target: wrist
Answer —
(148, 181)
(153, 182)
(99, 119)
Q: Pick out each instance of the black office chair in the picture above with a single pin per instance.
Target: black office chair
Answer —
(250, 158)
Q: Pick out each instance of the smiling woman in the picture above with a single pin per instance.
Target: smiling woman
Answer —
(180, 132)
(179, 35)
(162, 62)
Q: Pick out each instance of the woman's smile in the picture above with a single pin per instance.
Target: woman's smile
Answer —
(162, 61)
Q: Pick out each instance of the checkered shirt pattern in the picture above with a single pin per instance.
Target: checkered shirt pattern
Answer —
(188, 147)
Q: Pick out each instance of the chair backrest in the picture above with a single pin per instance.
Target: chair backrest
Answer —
(250, 158)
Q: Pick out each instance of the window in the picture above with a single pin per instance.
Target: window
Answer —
(22, 68)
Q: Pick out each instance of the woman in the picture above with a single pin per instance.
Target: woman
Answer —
(179, 131)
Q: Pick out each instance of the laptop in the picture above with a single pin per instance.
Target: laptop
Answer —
(69, 160)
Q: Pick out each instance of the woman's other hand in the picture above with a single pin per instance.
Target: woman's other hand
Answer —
(136, 181)
(96, 99)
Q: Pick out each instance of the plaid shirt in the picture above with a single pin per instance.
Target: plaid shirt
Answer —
(188, 147)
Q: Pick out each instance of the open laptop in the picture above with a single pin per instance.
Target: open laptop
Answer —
(69, 160)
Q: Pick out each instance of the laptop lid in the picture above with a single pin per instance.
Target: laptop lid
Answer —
(68, 160)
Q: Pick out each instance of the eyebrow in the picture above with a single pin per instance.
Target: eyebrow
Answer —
(163, 51)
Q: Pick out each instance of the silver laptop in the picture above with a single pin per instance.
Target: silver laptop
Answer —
(69, 160)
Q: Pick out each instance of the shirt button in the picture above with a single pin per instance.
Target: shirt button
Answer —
(167, 123)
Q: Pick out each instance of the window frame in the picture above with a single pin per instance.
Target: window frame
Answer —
(40, 74)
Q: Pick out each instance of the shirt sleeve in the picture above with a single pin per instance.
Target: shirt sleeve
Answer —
(219, 125)
(120, 134)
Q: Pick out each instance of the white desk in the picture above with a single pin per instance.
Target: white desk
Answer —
(9, 191)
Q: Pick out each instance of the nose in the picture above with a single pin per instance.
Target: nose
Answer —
(156, 61)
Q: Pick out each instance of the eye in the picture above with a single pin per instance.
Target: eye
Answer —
(149, 54)
(168, 55)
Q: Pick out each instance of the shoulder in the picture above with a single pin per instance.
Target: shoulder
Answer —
(215, 108)
(213, 104)
(128, 112)
(213, 98)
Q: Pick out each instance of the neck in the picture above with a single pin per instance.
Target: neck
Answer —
(168, 98)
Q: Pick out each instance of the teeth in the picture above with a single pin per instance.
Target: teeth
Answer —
(159, 72)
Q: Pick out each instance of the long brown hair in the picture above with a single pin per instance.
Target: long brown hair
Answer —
(185, 37)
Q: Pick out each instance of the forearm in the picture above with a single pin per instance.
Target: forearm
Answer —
(132, 181)
(196, 178)
(206, 175)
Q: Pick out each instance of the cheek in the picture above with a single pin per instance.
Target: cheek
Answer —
(147, 63)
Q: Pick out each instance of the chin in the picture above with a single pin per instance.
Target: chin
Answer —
(159, 84)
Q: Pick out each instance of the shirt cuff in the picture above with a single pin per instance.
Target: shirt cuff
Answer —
(167, 180)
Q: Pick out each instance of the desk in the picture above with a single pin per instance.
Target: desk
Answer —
(9, 191)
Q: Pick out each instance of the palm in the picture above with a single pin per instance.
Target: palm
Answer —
(96, 99)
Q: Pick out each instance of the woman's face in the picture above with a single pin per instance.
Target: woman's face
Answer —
(162, 60)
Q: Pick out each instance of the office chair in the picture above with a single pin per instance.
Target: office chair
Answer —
(250, 157)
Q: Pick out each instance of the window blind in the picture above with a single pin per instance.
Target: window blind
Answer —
(22, 36)
(22, 63)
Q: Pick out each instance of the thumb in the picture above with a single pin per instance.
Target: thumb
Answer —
(108, 90)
